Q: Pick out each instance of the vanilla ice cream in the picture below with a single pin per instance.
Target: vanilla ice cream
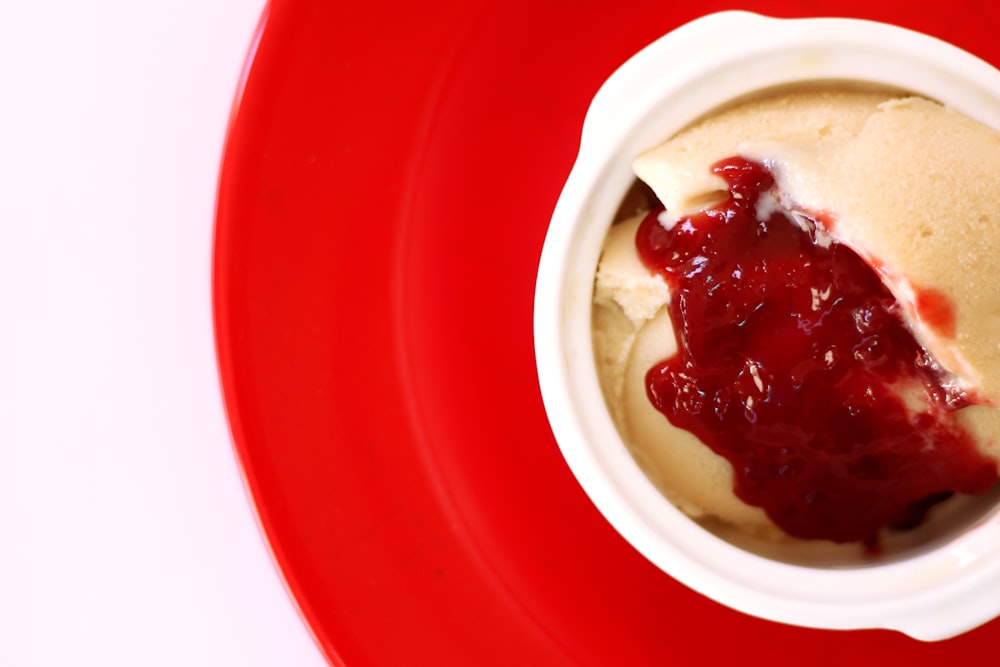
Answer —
(909, 185)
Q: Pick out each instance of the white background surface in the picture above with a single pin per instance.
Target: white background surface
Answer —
(126, 536)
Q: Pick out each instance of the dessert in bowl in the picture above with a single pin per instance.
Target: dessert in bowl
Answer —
(783, 100)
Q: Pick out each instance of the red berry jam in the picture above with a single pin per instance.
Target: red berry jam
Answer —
(795, 364)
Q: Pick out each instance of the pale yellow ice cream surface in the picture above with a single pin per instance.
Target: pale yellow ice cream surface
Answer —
(912, 186)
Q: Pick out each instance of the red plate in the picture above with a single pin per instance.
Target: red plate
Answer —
(386, 187)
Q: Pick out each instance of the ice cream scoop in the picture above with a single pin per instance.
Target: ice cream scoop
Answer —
(879, 173)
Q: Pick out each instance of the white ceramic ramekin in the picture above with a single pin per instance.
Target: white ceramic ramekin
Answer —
(937, 584)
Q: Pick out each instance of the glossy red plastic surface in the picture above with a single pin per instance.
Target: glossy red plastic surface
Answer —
(387, 183)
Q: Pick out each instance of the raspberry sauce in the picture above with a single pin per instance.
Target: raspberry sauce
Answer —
(795, 364)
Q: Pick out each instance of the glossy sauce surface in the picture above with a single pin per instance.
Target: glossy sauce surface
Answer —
(795, 364)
